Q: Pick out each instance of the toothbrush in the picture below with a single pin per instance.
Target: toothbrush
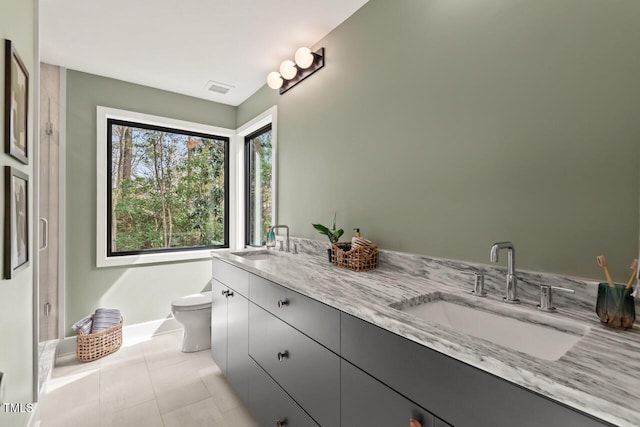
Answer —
(634, 269)
(602, 262)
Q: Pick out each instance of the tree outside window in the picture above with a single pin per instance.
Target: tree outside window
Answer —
(168, 189)
(259, 191)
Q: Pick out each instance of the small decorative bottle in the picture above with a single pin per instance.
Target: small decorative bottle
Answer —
(271, 239)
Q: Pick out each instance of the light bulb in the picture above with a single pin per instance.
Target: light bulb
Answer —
(274, 80)
(304, 57)
(288, 69)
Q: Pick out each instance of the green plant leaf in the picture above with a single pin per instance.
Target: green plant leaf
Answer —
(321, 228)
(332, 233)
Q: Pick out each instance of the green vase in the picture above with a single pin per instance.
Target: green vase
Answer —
(615, 306)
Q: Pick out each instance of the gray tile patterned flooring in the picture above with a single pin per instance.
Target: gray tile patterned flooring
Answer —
(146, 384)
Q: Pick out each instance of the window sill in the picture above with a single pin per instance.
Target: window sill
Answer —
(142, 259)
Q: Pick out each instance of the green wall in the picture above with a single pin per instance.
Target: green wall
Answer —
(438, 128)
(441, 127)
(16, 295)
(142, 293)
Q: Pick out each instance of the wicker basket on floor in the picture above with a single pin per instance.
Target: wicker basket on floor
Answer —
(91, 347)
(357, 258)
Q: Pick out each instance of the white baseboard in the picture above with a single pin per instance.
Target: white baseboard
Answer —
(130, 334)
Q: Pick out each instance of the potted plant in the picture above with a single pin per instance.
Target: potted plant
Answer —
(332, 233)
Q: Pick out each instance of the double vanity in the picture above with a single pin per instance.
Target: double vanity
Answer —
(304, 343)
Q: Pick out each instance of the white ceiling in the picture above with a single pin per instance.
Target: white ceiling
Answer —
(180, 45)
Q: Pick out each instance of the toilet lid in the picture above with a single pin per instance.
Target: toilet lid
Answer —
(193, 302)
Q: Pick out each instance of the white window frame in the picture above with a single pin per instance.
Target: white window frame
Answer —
(104, 113)
(270, 116)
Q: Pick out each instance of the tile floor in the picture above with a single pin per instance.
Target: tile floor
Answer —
(146, 384)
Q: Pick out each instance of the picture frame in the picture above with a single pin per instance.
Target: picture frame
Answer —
(16, 227)
(16, 105)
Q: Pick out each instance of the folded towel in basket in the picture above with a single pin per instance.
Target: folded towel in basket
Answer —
(358, 242)
(365, 246)
(105, 318)
(83, 326)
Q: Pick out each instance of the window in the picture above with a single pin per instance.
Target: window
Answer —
(168, 189)
(163, 188)
(258, 155)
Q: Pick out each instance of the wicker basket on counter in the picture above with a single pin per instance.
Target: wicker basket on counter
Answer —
(357, 258)
(91, 347)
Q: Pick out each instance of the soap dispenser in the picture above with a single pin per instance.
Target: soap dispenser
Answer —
(355, 238)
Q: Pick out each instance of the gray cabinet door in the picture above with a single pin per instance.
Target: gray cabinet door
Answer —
(459, 393)
(365, 401)
(232, 276)
(219, 325)
(311, 317)
(309, 372)
(270, 405)
(238, 344)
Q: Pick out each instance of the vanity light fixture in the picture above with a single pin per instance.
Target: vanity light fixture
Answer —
(291, 73)
(274, 80)
(288, 69)
(304, 57)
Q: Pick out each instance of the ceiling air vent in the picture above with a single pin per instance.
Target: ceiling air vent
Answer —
(218, 87)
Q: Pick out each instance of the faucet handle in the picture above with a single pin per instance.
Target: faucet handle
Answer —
(478, 284)
(281, 245)
(546, 297)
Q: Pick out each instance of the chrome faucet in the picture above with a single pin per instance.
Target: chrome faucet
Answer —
(282, 226)
(511, 293)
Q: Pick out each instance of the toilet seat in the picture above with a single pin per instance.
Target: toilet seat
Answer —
(193, 302)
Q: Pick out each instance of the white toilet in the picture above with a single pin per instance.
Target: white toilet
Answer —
(193, 312)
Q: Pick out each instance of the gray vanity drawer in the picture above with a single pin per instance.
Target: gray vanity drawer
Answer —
(308, 372)
(269, 404)
(368, 402)
(313, 318)
(462, 395)
(234, 277)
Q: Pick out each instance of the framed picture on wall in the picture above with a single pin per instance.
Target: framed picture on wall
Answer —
(16, 104)
(16, 217)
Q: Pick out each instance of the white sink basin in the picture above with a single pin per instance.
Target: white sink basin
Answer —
(517, 328)
(256, 255)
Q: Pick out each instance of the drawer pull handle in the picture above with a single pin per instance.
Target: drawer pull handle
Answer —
(281, 422)
(282, 302)
(283, 355)
(414, 423)
(229, 294)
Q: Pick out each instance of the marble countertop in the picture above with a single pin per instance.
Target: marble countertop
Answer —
(600, 375)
